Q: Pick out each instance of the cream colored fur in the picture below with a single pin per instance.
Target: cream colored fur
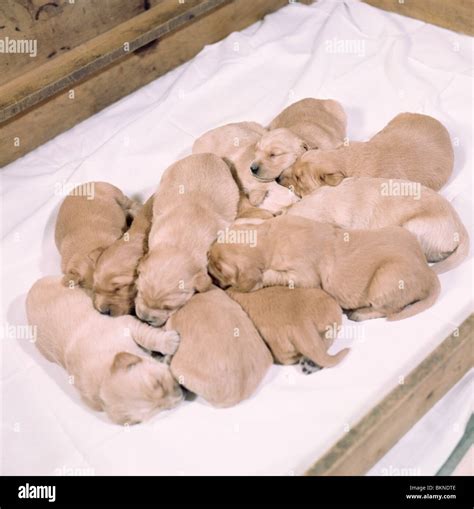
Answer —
(411, 146)
(101, 353)
(371, 274)
(308, 124)
(235, 143)
(86, 225)
(115, 274)
(294, 322)
(221, 356)
(197, 198)
(370, 203)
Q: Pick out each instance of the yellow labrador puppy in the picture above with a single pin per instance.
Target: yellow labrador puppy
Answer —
(308, 124)
(90, 219)
(262, 193)
(369, 203)
(115, 273)
(221, 356)
(197, 198)
(297, 324)
(411, 146)
(235, 143)
(371, 274)
(102, 354)
(225, 141)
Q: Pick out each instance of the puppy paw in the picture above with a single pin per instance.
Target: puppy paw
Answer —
(170, 342)
(257, 196)
(308, 366)
(355, 316)
(359, 315)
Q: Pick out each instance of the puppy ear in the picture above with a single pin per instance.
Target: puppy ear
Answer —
(93, 256)
(124, 360)
(247, 280)
(76, 271)
(202, 282)
(122, 280)
(256, 196)
(72, 278)
(332, 179)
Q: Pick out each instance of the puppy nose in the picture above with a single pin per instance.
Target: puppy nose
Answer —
(104, 311)
(254, 167)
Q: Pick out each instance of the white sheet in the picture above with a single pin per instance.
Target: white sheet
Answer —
(425, 448)
(391, 64)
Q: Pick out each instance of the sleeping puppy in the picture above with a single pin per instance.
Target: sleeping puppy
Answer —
(294, 322)
(115, 274)
(371, 274)
(262, 193)
(221, 356)
(309, 124)
(197, 198)
(369, 203)
(102, 354)
(235, 143)
(225, 141)
(248, 214)
(412, 146)
(86, 225)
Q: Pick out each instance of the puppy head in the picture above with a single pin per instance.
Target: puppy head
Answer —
(276, 151)
(314, 169)
(114, 280)
(138, 387)
(115, 294)
(236, 265)
(80, 268)
(167, 279)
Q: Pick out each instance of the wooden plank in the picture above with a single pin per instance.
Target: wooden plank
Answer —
(386, 423)
(30, 129)
(96, 54)
(456, 15)
(56, 27)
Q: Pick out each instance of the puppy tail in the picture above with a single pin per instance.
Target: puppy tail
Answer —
(315, 348)
(457, 256)
(421, 305)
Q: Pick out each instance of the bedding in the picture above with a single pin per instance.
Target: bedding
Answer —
(377, 64)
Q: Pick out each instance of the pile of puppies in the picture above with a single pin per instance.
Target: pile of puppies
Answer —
(248, 253)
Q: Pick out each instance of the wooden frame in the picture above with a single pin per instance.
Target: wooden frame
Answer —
(457, 15)
(60, 93)
(378, 431)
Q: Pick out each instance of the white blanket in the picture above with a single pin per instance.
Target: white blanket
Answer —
(377, 64)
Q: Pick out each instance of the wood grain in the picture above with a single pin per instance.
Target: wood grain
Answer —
(386, 423)
(457, 15)
(96, 54)
(57, 27)
(31, 128)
